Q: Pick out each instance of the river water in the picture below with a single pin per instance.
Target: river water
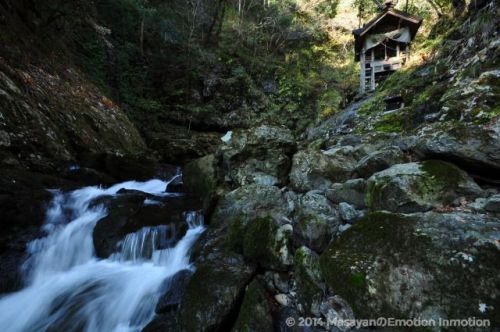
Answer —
(67, 288)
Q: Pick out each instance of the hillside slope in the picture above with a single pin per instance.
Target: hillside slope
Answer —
(373, 213)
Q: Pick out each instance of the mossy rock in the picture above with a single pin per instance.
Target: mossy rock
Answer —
(426, 265)
(310, 286)
(201, 177)
(267, 243)
(255, 311)
(417, 187)
(317, 170)
(238, 209)
(317, 221)
(213, 292)
(315, 232)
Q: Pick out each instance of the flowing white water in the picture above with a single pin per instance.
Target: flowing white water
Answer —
(69, 289)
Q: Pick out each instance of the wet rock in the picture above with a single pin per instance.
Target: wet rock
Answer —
(214, 292)
(317, 170)
(259, 155)
(416, 265)
(352, 192)
(109, 230)
(419, 187)
(255, 311)
(23, 204)
(378, 161)
(128, 212)
(175, 288)
(317, 221)
(163, 323)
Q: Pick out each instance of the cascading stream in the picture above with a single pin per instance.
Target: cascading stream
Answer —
(69, 289)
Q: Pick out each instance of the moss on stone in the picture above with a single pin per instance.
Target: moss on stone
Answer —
(347, 263)
(441, 181)
(390, 123)
(374, 193)
(255, 311)
(259, 240)
(235, 234)
(358, 280)
(373, 105)
(308, 276)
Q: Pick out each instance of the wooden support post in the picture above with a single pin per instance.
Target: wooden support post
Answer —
(362, 73)
(372, 79)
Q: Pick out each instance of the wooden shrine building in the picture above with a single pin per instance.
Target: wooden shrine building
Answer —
(382, 45)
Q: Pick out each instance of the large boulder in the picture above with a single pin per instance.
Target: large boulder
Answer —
(422, 186)
(352, 192)
(253, 201)
(378, 161)
(259, 155)
(310, 285)
(111, 229)
(426, 265)
(23, 204)
(213, 292)
(129, 212)
(255, 311)
(174, 290)
(202, 178)
(473, 147)
(317, 170)
(316, 221)
(267, 243)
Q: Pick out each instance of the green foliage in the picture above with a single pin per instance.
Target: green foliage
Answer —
(153, 57)
(94, 63)
(328, 8)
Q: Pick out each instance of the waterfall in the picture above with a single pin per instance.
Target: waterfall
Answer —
(67, 288)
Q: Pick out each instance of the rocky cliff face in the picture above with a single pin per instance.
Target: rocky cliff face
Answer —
(56, 131)
(383, 213)
(54, 118)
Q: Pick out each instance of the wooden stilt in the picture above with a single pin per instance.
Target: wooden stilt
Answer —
(362, 72)
(372, 78)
